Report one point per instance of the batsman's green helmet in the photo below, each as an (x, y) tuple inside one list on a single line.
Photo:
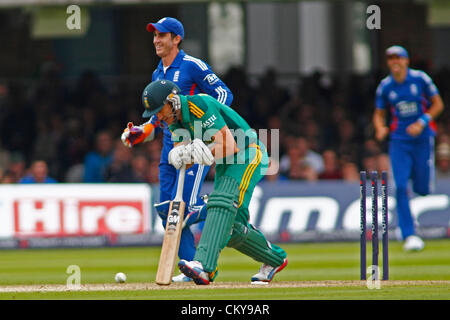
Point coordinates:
[(155, 94)]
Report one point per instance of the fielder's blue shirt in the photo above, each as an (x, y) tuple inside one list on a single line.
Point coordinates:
[(192, 76), (30, 179), (407, 102)]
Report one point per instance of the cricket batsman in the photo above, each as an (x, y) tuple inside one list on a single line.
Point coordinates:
[(192, 76), (202, 130), (413, 102)]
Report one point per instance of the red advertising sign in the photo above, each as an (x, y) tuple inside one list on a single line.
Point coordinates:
[(74, 210)]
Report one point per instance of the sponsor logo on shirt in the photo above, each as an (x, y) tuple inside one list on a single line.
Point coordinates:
[(407, 109), (176, 76), (211, 78), (208, 123)]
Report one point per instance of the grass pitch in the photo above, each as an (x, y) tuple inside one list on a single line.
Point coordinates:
[(315, 271)]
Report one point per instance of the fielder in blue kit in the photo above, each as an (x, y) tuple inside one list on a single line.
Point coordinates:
[(192, 76), (414, 102)]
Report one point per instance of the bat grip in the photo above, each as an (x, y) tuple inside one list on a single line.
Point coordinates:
[(180, 186)]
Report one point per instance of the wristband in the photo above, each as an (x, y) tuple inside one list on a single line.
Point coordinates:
[(425, 119)]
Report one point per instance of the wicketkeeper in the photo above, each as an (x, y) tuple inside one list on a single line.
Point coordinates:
[(202, 130)]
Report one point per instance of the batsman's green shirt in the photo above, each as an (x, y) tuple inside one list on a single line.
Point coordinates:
[(203, 116)]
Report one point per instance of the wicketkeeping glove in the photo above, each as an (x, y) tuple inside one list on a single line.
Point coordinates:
[(133, 135)]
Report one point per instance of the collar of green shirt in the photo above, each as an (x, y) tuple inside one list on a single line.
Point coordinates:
[(184, 110)]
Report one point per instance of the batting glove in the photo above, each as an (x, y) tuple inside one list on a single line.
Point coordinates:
[(180, 155), (201, 153)]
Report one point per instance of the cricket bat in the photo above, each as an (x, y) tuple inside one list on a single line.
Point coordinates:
[(171, 241)]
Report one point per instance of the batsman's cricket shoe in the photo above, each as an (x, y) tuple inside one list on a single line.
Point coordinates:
[(194, 270), (267, 272), (181, 278)]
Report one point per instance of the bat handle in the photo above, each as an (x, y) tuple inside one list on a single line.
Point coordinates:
[(180, 186)]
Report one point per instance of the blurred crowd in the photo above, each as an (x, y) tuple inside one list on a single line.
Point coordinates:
[(55, 131)]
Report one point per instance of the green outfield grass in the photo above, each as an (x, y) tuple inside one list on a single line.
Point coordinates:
[(307, 262)]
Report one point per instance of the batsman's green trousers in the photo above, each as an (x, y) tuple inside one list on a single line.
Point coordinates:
[(227, 219)]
